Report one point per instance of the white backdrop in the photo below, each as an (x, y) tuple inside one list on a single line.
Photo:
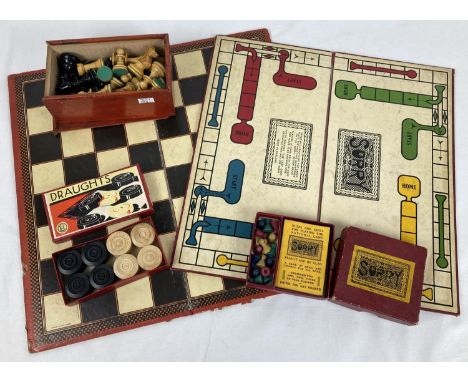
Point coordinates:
[(281, 327)]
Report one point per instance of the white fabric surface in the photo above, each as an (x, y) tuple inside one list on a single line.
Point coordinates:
[(281, 327)]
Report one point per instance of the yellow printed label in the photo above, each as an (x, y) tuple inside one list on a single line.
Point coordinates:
[(381, 273), (302, 261)]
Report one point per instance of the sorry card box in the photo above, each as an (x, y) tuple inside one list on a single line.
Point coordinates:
[(379, 274), (290, 255), (93, 203)]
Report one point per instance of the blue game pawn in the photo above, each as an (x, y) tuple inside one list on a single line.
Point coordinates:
[(270, 262), (254, 272), (261, 223), (255, 259)]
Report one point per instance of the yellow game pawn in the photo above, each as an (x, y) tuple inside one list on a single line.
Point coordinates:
[(83, 68)]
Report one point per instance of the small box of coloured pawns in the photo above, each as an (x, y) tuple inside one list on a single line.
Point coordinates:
[(290, 255), (92, 268), (379, 274), (81, 207)]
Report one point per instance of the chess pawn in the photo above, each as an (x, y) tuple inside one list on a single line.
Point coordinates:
[(88, 81), (67, 63), (84, 68), (140, 64), (126, 78), (129, 86), (156, 83), (137, 83), (119, 61), (115, 83), (157, 70), (106, 89)]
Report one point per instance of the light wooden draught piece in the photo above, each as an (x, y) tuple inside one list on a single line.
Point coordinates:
[(142, 234), (126, 266), (149, 257), (119, 243)]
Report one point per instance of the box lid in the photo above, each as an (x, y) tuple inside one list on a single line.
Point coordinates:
[(379, 274)]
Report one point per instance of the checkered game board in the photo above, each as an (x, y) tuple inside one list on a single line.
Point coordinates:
[(164, 151)]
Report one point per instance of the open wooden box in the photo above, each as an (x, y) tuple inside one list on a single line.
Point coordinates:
[(104, 109)]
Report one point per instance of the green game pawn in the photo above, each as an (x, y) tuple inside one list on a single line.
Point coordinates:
[(272, 252), (268, 228), (104, 74), (258, 280)]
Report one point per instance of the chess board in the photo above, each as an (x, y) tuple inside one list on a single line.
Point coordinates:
[(164, 150)]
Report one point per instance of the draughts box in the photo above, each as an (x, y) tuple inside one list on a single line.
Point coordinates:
[(379, 274), (117, 283), (104, 109), (94, 203), (295, 254)]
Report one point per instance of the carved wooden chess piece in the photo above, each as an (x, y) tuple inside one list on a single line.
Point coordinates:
[(135, 81), (67, 65), (157, 70), (140, 64), (114, 84), (155, 83), (74, 85), (84, 68), (126, 78), (119, 61), (129, 86)]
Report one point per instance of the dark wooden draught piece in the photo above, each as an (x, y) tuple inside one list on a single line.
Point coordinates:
[(94, 254)]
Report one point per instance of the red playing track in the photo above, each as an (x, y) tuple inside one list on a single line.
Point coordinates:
[(291, 80), (242, 132), (407, 73)]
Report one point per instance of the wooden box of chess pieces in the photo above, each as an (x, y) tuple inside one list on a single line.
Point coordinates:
[(92, 268), (95, 203), (379, 274), (290, 255), (120, 100)]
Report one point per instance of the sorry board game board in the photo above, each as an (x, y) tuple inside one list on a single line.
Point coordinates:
[(44, 161), (344, 139)]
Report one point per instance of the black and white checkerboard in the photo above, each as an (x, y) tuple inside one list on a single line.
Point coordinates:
[(164, 151)]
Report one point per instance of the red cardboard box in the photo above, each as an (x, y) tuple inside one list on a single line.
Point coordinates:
[(379, 274), (95, 203)]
